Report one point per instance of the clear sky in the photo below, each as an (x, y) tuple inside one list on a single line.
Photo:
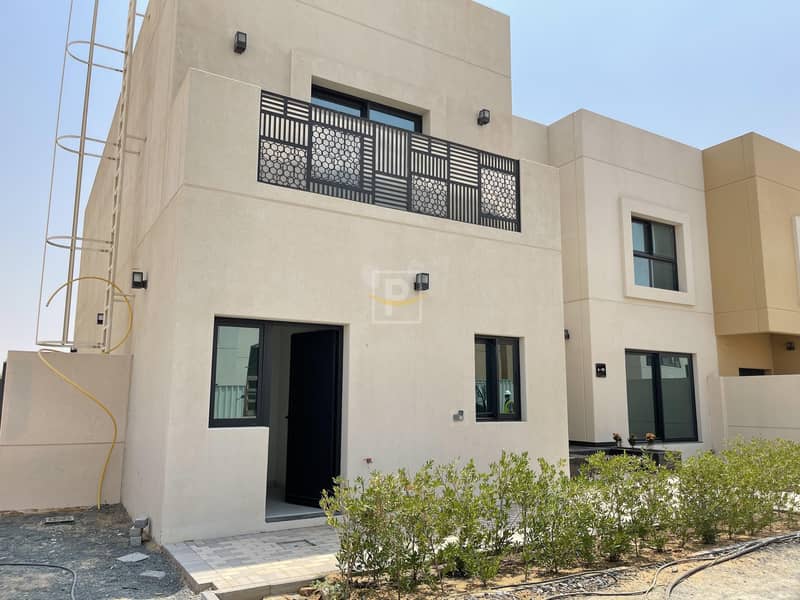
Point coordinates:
[(698, 71)]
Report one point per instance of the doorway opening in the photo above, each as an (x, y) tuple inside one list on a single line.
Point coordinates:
[(303, 369)]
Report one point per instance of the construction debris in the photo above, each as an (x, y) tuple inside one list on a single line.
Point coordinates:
[(154, 574), (132, 557), (60, 520)]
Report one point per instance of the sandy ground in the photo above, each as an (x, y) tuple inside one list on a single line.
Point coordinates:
[(770, 573), (90, 547)]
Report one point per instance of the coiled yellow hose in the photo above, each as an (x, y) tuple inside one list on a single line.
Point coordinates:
[(77, 385)]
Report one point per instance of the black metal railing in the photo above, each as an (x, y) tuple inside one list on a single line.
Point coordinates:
[(311, 148)]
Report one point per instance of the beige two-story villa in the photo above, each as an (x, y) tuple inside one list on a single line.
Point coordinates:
[(352, 253), (344, 253)]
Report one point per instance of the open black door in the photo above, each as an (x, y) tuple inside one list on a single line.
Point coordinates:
[(312, 446)]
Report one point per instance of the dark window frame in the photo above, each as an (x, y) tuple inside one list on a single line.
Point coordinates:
[(492, 380), (262, 414), (364, 106), (650, 255), (753, 372), (655, 359), (2, 388)]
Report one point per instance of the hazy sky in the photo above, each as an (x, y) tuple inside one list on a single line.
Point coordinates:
[(698, 71)]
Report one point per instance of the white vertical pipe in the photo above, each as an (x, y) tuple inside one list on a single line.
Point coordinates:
[(79, 179), (53, 167)]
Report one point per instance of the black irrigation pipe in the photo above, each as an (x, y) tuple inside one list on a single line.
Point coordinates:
[(524, 585), (714, 557), (747, 549), (48, 566), (644, 592)]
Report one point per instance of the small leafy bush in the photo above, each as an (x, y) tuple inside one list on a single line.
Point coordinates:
[(656, 510), (557, 523), (703, 497), (615, 485)]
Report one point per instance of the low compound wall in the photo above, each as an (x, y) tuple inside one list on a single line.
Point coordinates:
[(767, 407), (53, 440)]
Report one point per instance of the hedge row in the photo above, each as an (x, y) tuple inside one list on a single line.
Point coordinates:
[(444, 520)]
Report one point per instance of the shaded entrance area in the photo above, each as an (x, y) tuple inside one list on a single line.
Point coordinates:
[(303, 368)]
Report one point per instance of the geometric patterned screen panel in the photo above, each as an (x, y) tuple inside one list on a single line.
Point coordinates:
[(310, 148)]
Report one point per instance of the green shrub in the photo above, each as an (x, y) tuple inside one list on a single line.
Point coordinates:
[(525, 496), (419, 527), (752, 486), (785, 472), (702, 497), (557, 522), (656, 511), (615, 483), (465, 503), (499, 492)]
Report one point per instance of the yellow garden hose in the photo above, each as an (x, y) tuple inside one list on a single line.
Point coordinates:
[(78, 386)]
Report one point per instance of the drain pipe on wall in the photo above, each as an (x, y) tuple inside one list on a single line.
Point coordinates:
[(78, 386)]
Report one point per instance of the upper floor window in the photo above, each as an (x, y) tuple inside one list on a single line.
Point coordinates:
[(655, 262), (366, 109), (497, 388)]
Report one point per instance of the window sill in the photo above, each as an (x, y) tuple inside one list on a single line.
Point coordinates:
[(641, 292), (235, 425)]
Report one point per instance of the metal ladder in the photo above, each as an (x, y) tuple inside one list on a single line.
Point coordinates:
[(114, 150), (119, 179)]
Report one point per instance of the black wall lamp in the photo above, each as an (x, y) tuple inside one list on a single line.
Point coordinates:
[(422, 282), (240, 42), (484, 116), (139, 280), (100, 318), (790, 346)]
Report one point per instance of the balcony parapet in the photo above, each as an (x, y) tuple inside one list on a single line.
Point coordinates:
[(307, 147)]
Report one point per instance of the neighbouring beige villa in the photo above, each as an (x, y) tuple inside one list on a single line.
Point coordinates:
[(753, 205), (641, 354), (350, 255), (753, 202)]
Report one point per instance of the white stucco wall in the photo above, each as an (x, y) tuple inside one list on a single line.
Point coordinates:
[(310, 258), (53, 439), (214, 241), (607, 167), (445, 59), (762, 407)]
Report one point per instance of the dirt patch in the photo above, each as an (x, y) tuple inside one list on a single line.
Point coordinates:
[(90, 546)]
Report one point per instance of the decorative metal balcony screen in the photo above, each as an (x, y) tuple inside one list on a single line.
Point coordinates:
[(310, 148)]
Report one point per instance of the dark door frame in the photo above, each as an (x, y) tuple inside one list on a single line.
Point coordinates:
[(336, 408), (263, 400)]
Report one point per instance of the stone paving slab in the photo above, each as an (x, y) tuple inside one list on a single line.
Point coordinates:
[(259, 561)]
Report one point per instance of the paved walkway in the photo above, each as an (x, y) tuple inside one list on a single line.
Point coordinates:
[(270, 562)]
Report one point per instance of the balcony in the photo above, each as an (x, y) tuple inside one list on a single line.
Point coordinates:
[(306, 147)]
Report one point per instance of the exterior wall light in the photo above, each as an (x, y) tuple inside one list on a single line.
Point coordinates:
[(422, 282), (484, 116), (240, 42), (139, 280), (100, 318), (790, 346)]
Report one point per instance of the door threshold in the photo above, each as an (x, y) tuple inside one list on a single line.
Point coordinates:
[(296, 517)]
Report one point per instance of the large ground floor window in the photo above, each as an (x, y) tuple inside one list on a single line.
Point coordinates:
[(661, 398)]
